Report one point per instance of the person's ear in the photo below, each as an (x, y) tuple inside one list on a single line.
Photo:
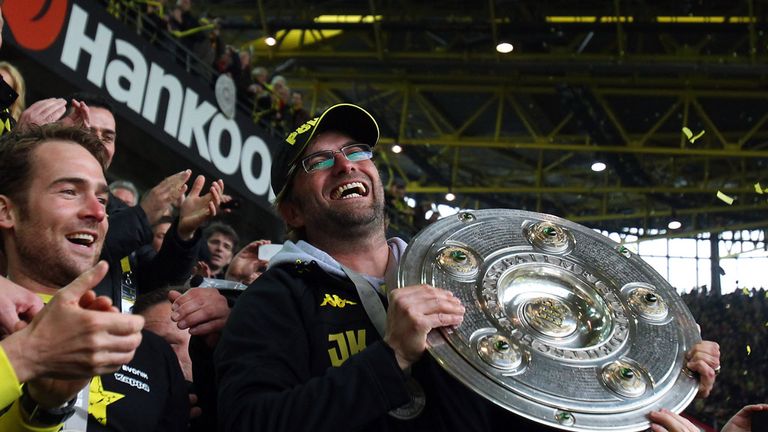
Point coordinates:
[(291, 214), (8, 212)]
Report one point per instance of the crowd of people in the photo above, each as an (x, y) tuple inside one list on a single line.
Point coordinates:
[(107, 323), (739, 322), (173, 25)]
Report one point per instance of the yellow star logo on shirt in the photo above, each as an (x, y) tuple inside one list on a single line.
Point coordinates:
[(98, 399)]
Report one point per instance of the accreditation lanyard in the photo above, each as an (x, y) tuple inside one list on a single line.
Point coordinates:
[(369, 295), (374, 307)]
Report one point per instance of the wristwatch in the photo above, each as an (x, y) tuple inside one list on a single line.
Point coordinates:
[(36, 415)]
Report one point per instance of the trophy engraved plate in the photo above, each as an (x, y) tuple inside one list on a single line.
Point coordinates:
[(562, 325)]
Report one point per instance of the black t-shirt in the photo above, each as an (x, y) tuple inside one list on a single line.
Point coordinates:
[(148, 394)]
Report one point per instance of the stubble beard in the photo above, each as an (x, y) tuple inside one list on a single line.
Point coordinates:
[(360, 222), (48, 264), (49, 267)]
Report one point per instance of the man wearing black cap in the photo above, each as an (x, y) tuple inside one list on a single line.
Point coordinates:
[(312, 344)]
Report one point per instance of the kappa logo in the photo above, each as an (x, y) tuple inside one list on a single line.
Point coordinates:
[(35, 24), (291, 139), (336, 301)]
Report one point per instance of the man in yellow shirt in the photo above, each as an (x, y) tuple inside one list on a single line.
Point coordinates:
[(52, 220)]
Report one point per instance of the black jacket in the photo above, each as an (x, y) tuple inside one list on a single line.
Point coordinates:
[(172, 265), (289, 360), (129, 227), (148, 394), (128, 230)]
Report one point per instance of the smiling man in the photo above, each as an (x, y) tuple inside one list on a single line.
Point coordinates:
[(53, 223), (319, 342), (54, 194), (301, 349)]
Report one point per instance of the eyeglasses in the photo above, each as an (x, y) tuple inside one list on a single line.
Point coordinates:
[(325, 159)]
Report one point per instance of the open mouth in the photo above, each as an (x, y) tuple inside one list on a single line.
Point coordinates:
[(82, 239), (349, 190)]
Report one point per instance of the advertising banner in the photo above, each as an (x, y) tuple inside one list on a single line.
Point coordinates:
[(84, 45)]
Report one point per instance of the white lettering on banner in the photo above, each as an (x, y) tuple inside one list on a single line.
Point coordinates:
[(132, 80), (193, 118), (258, 185), (226, 164), (136, 77), (76, 41), (159, 80)]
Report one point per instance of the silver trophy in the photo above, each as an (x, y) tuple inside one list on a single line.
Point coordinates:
[(562, 325)]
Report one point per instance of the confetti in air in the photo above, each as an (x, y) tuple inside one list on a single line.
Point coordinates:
[(758, 188), (749, 350), (725, 198), (689, 134)]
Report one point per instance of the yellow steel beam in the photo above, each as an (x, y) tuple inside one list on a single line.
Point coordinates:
[(433, 112), (388, 93), (686, 114), (752, 32), (559, 161), (583, 60), (499, 115), (668, 213), (428, 113), (612, 117), (663, 119), (619, 29), (474, 116), (539, 177), (377, 31), (711, 229), (454, 168), (590, 189), (404, 114), (523, 117), (556, 130), (531, 83), (329, 92), (450, 141), (494, 29), (758, 125), (710, 124)]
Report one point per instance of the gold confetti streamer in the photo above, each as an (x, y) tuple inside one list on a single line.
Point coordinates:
[(758, 188), (725, 198), (749, 350), (689, 134)]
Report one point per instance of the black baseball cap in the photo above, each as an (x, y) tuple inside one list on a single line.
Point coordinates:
[(346, 118)]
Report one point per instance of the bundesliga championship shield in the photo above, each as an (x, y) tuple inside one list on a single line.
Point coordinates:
[(562, 325)]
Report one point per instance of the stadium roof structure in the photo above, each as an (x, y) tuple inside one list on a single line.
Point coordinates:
[(669, 95)]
